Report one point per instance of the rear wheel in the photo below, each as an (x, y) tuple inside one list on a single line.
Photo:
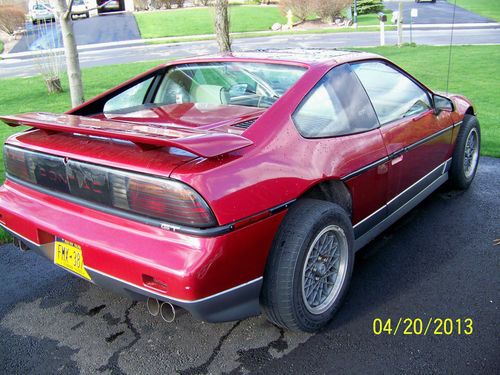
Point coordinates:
[(309, 267), (466, 154)]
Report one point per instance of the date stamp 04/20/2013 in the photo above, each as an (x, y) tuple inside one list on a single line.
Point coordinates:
[(423, 327)]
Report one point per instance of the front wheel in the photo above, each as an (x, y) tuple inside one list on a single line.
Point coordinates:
[(466, 154), (309, 267)]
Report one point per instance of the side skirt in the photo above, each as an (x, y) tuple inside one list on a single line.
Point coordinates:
[(397, 208)]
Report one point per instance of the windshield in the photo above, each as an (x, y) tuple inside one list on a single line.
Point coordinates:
[(235, 83), (40, 7)]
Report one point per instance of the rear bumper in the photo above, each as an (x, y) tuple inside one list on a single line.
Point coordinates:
[(215, 279)]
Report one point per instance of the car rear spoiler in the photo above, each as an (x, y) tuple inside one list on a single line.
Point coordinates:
[(203, 143)]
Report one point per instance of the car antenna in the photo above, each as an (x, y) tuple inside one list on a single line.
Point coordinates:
[(451, 46)]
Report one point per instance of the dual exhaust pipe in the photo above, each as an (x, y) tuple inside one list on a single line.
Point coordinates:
[(165, 309), (20, 245)]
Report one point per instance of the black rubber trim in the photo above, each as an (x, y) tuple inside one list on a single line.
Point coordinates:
[(200, 232), (400, 200), (233, 304), (365, 168), (370, 221), (399, 152), (428, 138)]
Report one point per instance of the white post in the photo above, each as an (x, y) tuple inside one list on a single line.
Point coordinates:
[(400, 28), (289, 17), (382, 33)]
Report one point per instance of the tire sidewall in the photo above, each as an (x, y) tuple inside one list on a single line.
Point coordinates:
[(307, 320), (458, 178)]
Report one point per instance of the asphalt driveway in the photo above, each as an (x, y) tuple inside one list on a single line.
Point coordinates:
[(101, 29), (440, 12), (438, 261)]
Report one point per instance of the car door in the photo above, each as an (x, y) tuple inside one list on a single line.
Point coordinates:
[(417, 140), (337, 116)]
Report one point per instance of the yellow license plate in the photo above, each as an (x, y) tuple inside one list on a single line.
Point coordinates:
[(69, 256)]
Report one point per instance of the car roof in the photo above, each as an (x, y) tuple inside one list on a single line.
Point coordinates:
[(307, 56)]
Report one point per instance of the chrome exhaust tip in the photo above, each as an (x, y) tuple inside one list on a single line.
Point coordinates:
[(167, 312), (153, 306), (23, 246), (20, 245)]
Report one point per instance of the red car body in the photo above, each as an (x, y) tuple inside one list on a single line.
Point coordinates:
[(248, 177)]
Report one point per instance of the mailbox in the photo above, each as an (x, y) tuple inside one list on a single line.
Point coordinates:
[(382, 17)]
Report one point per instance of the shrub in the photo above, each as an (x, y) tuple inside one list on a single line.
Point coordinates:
[(11, 18), (300, 8), (140, 4), (328, 10), (159, 3), (370, 6), (179, 3)]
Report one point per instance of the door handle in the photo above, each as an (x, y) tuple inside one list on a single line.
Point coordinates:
[(397, 159)]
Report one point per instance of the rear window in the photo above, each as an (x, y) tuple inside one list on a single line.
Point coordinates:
[(337, 105), (232, 83)]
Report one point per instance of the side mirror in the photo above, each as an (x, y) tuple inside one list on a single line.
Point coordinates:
[(442, 103)]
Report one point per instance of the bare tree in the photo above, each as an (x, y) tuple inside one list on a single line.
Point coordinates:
[(222, 25), (11, 18), (300, 8), (328, 10), (63, 12)]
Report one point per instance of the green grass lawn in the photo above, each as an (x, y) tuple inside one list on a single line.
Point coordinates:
[(199, 21), (472, 70), (486, 8)]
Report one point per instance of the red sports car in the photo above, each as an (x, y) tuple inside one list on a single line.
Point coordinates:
[(235, 184)]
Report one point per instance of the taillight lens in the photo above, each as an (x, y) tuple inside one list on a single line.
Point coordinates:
[(158, 198), (168, 199), (16, 164)]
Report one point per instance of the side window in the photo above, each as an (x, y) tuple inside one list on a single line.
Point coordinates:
[(337, 105), (394, 96), (131, 97)]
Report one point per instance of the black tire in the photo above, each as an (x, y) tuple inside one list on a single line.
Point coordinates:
[(460, 177), (282, 297)]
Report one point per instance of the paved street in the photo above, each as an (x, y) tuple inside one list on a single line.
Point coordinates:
[(102, 29), (438, 261), (121, 55), (435, 13)]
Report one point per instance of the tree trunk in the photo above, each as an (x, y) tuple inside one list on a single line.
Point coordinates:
[(222, 25), (71, 52), (53, 85)]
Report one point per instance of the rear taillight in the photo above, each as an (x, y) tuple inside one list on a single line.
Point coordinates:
[(154, 197), (16, 164), (163, 199)]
